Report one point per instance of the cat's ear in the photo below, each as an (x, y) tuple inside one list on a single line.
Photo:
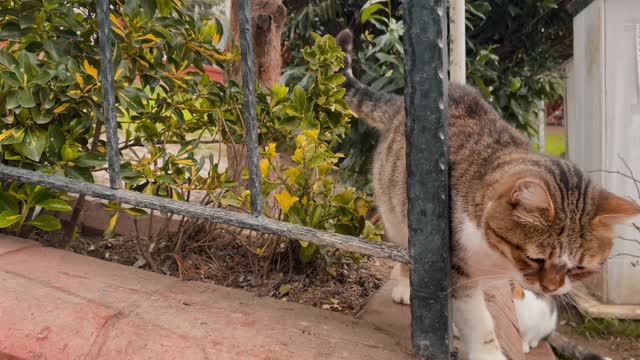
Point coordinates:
[(517, 291), (613, 209), (531, 193)]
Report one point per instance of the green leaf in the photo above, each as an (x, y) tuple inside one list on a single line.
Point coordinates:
[(165, 7), (12, 136), (40, 117), (35, 140), (8, 202), (11, 101), (369, 11), (284, 290), (136, 212), (149, 7), (299, 99), (344, 198), (91, 159), (7, 59), (515, 84), (11, 30), (38, 194), (11, 78), (345, 229), (43, 77), (55, 142), (335, 79), (306, 253), (111, 227), (132, 98), (26, 20), (316, 215), (55, 205), (76, 172), (70, 151), (46, 222), (8, 218), (25, 99)]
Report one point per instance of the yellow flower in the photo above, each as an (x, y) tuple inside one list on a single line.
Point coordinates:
[(298, 156), (270, 150), (286, 200), (292, 174), (264, 167), (312, 134), (301, 140)]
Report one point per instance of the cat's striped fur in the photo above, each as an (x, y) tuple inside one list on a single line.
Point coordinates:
[(515, 214)]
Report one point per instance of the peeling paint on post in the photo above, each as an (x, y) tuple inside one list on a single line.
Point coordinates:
[(428, 179), (109, 94), (249, 111)]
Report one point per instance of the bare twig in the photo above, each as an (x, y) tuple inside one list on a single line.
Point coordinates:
[(625, 254), (635, 181), (628, 239), (615, 172), (79, 205), (150, 234), (144, 250)]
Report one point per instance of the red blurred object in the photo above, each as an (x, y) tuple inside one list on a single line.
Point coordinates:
[(213, 72), (553, 113)]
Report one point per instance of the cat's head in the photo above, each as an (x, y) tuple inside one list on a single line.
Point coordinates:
[(553, 224)]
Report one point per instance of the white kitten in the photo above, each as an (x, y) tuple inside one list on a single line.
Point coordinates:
[(537, 316)]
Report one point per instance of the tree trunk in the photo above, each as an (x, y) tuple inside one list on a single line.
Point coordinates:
[(267, 21)]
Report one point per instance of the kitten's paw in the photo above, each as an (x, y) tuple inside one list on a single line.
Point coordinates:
[(401, 293), (525, 347)]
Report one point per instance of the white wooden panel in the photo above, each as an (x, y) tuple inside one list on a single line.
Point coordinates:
[(622, 136), (585, 98), (586, 109)]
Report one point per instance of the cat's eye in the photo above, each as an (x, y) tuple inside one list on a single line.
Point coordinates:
[(579, 268), (539, 262)]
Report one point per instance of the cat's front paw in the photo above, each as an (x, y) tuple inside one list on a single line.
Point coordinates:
[(401, 292)]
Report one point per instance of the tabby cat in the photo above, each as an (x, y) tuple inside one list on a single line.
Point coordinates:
[(516, 214)]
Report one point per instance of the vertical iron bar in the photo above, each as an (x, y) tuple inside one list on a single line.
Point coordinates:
[(108, 91), (427, 175), (249, 113)]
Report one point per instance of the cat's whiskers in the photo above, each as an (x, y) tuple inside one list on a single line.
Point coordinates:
[(563, 301), (477, 279), (583, 313)]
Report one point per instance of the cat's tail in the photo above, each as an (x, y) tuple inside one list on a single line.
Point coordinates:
[(378, 109)]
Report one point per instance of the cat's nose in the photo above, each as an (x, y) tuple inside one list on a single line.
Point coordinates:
[(553, 278)]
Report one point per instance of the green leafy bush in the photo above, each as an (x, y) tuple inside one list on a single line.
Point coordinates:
[(51, 110), (308, 195), (22, 205), (316, 117), (51, 99)]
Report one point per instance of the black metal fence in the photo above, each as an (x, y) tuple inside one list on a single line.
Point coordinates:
[(426, 134)]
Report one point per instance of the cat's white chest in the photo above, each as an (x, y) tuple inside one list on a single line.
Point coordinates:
[(482, 261)]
